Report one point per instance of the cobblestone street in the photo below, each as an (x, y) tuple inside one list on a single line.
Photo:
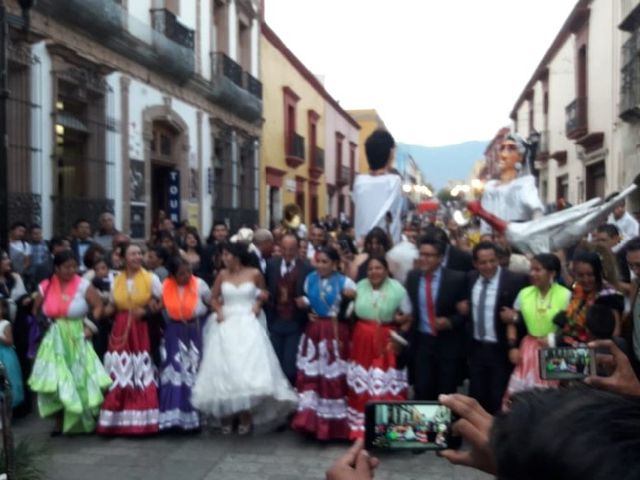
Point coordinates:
[(210, 456)]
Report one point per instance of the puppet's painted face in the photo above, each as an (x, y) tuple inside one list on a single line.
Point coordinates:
[(510, 157)]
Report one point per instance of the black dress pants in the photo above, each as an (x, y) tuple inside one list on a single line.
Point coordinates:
[(489, 372), (434, 374)]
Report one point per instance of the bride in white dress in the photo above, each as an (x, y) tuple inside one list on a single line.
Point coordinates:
[(240, 374)]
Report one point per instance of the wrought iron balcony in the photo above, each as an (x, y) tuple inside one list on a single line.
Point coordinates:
[(576, 125), (164, 21), (294, 150), (543, 146), (166, 48), (318, 159), (223, 65), (253, 85), (630, 80), (344, 175), (228, 89), (630, 14)]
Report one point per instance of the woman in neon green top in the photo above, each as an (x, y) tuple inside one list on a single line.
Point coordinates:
[(536, 306)]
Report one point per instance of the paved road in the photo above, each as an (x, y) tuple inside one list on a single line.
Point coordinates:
[(211, 456)]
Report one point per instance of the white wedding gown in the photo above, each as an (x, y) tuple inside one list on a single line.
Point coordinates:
[(239, 369)]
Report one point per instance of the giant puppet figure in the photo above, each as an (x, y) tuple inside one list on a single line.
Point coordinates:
[(513, 196), (377, 196), (511, 205)]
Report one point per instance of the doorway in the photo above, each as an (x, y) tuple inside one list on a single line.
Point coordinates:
[(159, 190)]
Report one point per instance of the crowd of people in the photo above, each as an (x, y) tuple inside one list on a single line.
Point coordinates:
[(299, 326)]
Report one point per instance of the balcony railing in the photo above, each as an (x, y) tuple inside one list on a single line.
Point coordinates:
[(253, 85), (543, 144), (168, 47), (164, 21), (224, 66), (318, 159), (344, 175), (296, 146), (576, 118), (630, 80)]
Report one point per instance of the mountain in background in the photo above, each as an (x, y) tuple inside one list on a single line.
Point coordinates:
[(441, 164)]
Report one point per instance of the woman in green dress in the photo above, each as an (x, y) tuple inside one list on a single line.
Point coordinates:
[(382, 307), (67, 374)]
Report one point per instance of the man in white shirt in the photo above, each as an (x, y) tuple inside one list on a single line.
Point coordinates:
[(377, 196), (263, 241), (627, 225), (19, 248)]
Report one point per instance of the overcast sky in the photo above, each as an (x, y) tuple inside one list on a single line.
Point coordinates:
[(438, 71)]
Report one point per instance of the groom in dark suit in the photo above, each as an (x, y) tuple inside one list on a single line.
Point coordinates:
[(491, 289), (438, 332), (285, 309)]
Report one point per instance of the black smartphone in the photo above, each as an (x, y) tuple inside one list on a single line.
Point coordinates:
[(346, 248), (567, 363), (410, 425)]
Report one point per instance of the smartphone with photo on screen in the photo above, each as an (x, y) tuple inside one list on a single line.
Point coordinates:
[(567, 363), (410, 425)]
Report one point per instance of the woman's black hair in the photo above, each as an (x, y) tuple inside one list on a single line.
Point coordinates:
[(568, 434), (193, 231), (63, 257), (330, 252), (94, 252), (377, 233), (9, 278), (593, 259), (124, 246), (549, 261), (379, 259), (174, 264), (238, 250)]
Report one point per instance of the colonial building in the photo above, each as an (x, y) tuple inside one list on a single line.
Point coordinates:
[(309, 142), (135, 107), (582, 99)]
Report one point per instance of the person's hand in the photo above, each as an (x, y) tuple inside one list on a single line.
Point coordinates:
[(514, 356), (256, 308), (463, 307), (622, 378), (219, 316), (474, 427), (301, 302), (507, 315), (356, 464), (349, 293), (87, 333), (313, 317), (442, 323), (27, 301), (263, 296)]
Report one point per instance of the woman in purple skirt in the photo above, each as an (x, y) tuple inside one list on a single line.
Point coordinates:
[(186, 299)]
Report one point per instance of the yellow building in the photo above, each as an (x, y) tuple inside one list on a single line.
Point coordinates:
[(369, 120), (293, 139)]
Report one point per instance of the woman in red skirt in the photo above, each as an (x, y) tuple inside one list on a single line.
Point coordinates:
[(382, 307), (323, 353), (131, 405)]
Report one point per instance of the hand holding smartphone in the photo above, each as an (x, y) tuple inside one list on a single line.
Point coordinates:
[(567, 363), (410, 425)]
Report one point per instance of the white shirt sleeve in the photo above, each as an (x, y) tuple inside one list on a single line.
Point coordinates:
[(349, 284), (516, 303), (156, 286), (4, 325), (18, 289), (204, 292), (405, 304)]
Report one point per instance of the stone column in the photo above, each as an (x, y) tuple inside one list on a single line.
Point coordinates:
[(125, 213)]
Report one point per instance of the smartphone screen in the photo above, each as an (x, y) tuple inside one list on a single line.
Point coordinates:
[(409, 426), (567, 363)]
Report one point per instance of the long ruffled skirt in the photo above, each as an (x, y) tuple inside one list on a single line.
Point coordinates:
[(68, 376), (181, 351), (373, 372), (322, 380), (131, 405)]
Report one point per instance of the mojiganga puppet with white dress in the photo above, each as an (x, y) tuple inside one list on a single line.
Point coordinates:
[(513, 196)]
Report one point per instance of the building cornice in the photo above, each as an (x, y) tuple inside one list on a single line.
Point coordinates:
[(574, 21), (277, 42)]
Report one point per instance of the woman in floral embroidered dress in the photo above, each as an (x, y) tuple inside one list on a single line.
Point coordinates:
[(324, 352), (131, 406)]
